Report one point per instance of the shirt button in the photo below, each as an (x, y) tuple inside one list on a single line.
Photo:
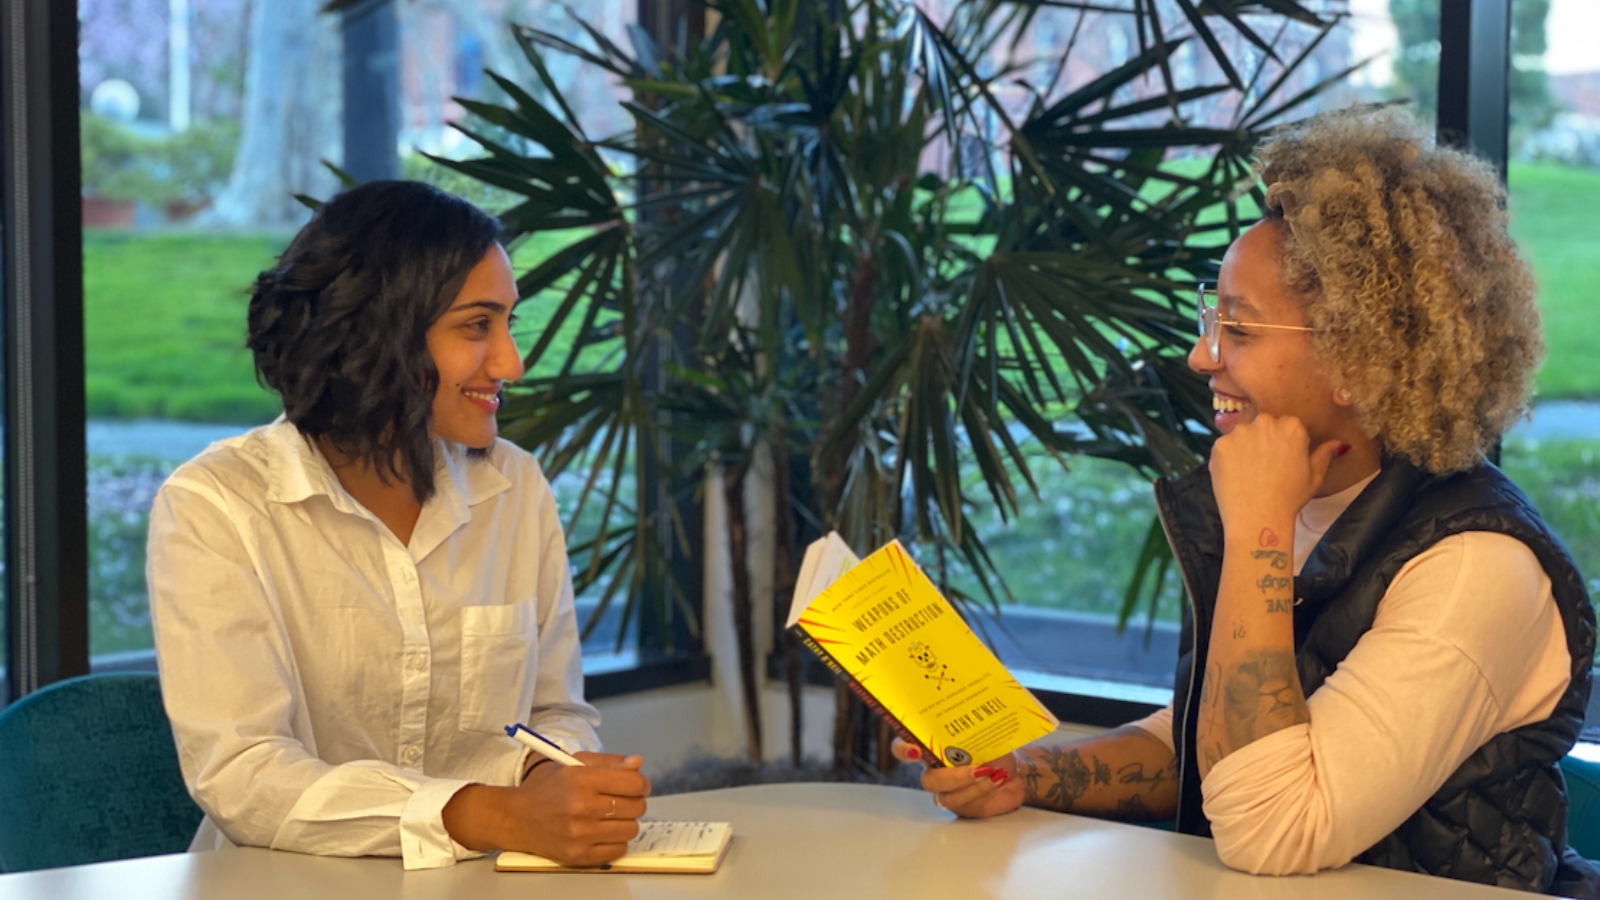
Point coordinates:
[(418, 662), (410, 755)]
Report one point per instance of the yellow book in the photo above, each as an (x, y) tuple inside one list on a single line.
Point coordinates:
[(882, 625), (688, 848)]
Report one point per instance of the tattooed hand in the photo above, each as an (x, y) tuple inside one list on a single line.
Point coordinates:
[(1266, 467)]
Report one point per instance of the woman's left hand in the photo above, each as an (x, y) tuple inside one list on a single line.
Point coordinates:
[(1267, 469)]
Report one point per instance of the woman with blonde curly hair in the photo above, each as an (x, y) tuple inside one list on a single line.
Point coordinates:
[(1386, 651)]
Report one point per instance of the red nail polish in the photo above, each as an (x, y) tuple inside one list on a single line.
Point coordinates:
[(1343, 449), (982, 771), (1000, 776), (913, 752)]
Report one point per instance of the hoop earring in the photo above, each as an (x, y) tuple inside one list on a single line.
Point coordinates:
[(1344, 394)]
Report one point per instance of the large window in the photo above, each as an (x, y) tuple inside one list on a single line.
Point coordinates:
[(1554, 181), (175, 231), (189, 177)]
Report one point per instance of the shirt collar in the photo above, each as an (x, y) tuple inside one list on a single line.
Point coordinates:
[(460, 483), (298, 471), (1319, 513)]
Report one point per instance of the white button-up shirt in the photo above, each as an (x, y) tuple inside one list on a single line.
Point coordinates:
[(331, 688)]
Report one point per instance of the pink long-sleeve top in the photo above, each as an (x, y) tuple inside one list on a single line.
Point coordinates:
[(1467, 644)]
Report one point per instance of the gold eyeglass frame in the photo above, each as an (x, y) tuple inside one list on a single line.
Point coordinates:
[(1210, 322)]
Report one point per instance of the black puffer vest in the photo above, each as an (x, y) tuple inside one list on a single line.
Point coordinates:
[(1501, 818)]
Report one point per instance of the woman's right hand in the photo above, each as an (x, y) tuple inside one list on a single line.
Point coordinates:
[(574, 815), (971, 792)]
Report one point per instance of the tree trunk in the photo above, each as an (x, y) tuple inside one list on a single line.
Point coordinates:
[(853, 725), (743, 624), (501, 55), (290, 122), (783, 584), (371, 121)]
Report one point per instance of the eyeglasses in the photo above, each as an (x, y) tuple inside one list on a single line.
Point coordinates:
[(1211, 322)]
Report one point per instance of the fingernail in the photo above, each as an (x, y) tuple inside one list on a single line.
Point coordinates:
[(982, 771), (913, 752), (1343, 449), (1000, 776)]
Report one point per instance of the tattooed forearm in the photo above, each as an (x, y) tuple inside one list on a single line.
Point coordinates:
[(1209, 689), (1251, 687), (1031, 776), (1072, 777), (1276, 558), (1262, 695), (1134, 810), (1270, 582), (1097, 775), (1134, 773)]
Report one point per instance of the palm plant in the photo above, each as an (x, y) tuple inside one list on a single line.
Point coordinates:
[(793, 278)]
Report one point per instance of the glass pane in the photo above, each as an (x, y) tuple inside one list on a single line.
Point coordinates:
[(1069, 559), (1554, 184), (189, 179)]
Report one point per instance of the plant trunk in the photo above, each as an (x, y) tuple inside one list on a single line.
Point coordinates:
[(853, 725), (858, 331), (858, 346), (845, 708), (784, 587), (743, 625)]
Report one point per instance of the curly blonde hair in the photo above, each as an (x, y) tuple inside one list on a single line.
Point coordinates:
[(1422, 306)]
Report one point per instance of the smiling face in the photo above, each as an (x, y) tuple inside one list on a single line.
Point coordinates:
[(472, 349), (1261, 369)]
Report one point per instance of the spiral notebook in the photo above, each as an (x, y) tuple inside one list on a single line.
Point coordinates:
[(690, 848)]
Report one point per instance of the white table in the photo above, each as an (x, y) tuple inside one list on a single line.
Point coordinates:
[(790, 841)]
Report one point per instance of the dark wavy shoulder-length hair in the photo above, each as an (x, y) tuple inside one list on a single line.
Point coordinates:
[(339, 327)]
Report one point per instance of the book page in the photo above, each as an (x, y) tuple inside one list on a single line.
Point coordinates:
[(834, 558), (802, 583), (658, 839), (660, 847)]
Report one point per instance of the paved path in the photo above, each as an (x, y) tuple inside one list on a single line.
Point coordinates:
[(155, 437), (1562, 419), (181, 440)]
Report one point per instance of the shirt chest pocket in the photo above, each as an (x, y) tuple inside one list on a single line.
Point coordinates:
[(499, 658)]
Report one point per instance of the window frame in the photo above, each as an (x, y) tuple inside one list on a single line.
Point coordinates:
[(46, 541)]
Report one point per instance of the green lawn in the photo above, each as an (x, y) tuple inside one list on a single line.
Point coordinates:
[(1555, 216), (164, 312), (164, 323), (1562, 478)]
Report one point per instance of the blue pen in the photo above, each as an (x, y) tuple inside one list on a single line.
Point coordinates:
[(540, 744)]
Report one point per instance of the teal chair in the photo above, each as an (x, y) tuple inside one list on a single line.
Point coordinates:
[(89, 772), (1583, 805)]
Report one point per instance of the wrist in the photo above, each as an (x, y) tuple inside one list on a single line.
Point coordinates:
[(472, 817), (533, 763), (1273, 529)]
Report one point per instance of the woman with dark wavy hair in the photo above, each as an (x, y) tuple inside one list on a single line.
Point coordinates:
[(350, 604), (1386, 653)]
